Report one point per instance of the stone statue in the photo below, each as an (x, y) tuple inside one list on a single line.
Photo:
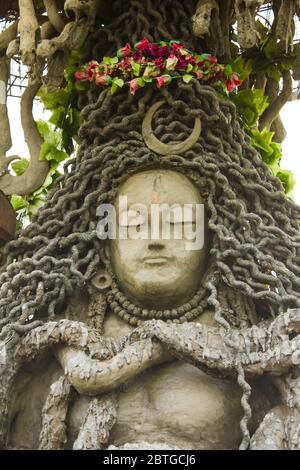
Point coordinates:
[(140, 343)]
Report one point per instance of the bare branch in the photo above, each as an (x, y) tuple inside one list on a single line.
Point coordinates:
[(53, 15), (72, 37), (37, 170), (274, 108), (8, 35), (245, 11), (202, 17), (28, 27), (5, 137), (285, 28)]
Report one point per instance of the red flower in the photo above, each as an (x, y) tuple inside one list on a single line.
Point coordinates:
[(199, 74), (233, 82), (159, 63), (102, 80), (125, 63), (176, 47), (90, 70), (142, 45), (212, 59), (133, 86), (163, 80), (124, 51), (182, 63), (80, 75), (163, 51), (154, 49), (171, 62)]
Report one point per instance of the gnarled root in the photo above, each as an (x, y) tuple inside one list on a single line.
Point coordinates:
[(53, 434), (99, 420)]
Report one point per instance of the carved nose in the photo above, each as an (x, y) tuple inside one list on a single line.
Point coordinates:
[(156, 246)]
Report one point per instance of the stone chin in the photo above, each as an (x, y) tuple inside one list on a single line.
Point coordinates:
[(156, 289)]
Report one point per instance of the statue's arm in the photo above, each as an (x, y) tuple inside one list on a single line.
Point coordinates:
[(92, 376)]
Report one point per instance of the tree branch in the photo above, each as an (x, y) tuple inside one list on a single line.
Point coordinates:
[(28, 27), (8, 35), (274, 108), (37, 170), (53, 15)]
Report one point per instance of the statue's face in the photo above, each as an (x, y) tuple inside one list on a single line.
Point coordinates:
[(157, 272)]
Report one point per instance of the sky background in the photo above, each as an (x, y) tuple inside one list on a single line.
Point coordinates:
[(290, 115)]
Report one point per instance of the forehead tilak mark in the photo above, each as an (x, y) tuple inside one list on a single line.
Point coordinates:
[(156, 184)]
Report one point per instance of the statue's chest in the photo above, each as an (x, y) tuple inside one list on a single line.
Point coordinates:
[(180, 405), (176, 403)]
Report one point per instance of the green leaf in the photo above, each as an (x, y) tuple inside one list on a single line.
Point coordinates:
[(242, 67), (114, 88), (287, 179), (110, 60), (141, 82), (187, 78), (270, 151), (251, 104), (52, 137), (262, 29), (55, 154), (136, 68), (18, 202), (52, 100), (189, 68), (58, 117), (20, 166), (228, 71), (273, 72), (118, 81)]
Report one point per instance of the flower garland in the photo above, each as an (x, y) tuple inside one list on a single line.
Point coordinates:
[(161, 63)]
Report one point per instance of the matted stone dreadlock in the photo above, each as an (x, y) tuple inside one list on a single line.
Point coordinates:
[(255, 244), (255, 249)]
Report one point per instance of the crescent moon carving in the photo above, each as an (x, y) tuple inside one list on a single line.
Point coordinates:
[(153, 143)]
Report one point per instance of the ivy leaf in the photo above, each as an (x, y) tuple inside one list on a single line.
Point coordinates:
[(114, 88), (141, 82), (110, 60), (187, 78), (52, 100), (55, 154), (18, 202), (262, 141), (136, 68), (287, 179), (242, 67), (119, 82), (58, 117), (251, 104), (20, 166), (51, 136)]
